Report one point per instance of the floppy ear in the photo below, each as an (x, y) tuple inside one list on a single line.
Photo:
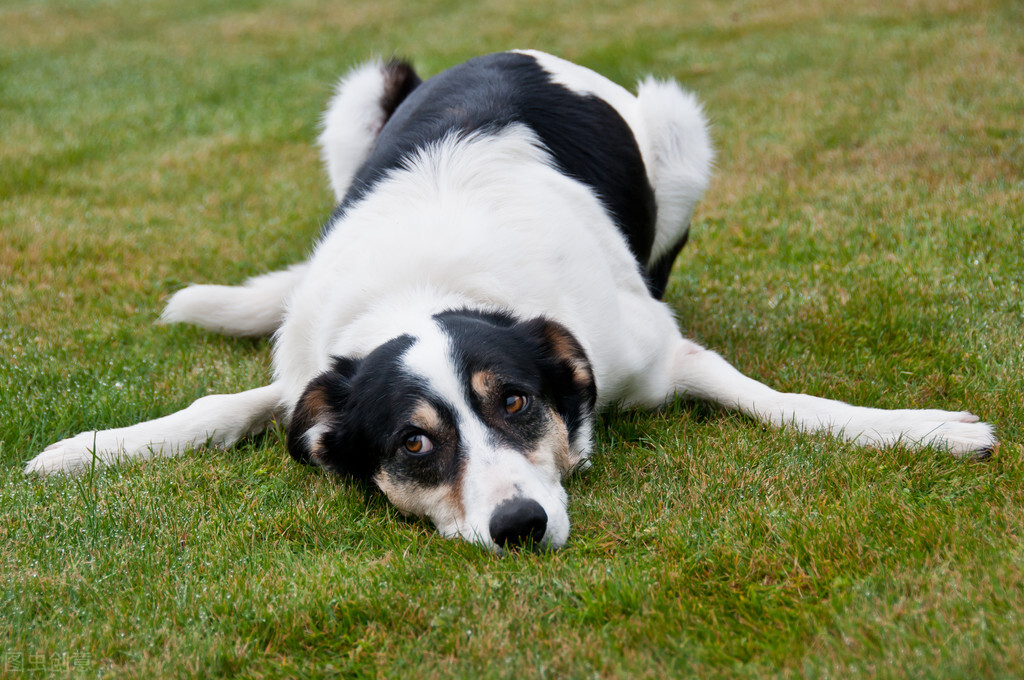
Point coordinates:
[(568, 382), (316, 431)]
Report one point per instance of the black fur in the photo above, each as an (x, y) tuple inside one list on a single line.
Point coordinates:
[(659, 272), (364, 403), (535, 357), (400, 80), (319, 403)]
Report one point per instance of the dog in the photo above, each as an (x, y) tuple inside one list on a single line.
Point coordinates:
[(490, 279)]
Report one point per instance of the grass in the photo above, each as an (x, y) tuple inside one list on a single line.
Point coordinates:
[(861, 240)]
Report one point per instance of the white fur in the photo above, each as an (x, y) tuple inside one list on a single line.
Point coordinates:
[(487, 222), (435, 209)]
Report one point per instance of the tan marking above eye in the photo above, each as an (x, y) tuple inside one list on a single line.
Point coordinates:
[(425, 417), (483, 383)]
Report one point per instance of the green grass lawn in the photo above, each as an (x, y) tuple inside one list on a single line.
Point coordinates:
[(862, 240)]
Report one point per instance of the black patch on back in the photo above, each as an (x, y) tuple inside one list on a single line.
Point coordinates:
[(586, 137)]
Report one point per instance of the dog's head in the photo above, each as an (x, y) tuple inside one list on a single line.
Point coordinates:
[(471, 423)]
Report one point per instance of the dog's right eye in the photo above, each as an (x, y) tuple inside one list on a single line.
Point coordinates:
[(514, 403), (418, 445)]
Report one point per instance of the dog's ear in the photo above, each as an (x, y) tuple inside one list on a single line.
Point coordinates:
[(569, 383), (317, 429)]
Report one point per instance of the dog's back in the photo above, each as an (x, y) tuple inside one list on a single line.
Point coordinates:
[(625, 149)]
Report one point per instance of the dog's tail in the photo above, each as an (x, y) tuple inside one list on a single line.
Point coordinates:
[(679, 159), (364, 100), (255, 308)]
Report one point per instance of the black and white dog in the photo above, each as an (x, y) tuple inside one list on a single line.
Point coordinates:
[(490, 279)]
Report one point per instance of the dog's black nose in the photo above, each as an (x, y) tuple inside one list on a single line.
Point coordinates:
[(518, 521)]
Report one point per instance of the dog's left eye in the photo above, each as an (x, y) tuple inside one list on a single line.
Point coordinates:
[(514, 403), (418, 445)]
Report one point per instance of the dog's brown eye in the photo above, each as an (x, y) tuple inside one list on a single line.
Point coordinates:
[(418, 445), (514, 403)]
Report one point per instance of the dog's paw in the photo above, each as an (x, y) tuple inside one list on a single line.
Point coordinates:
[(963, 435), (71, 456), (960, 433)]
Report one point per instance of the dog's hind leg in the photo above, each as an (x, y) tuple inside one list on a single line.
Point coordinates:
[(700, 373), (219, 420), (364, 100), (677, 152), (255, 308)]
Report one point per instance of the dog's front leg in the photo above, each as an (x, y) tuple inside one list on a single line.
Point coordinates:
[(702, 374), (218, 419)]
